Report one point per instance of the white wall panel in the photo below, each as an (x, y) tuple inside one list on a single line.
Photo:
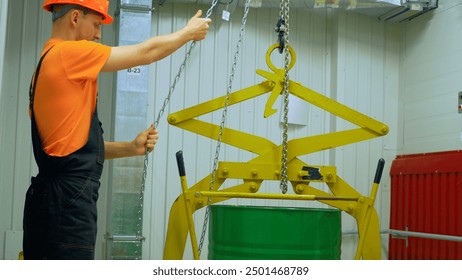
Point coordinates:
[(3, 17), (431, 72), (368, 56), (16, 164)]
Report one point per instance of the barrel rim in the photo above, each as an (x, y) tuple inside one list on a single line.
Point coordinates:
[(291, 208)]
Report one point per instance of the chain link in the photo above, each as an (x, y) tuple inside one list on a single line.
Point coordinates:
[(284, 13), (223, 122), (139, 224)]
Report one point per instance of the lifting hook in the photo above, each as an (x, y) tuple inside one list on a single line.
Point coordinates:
[(281, 29)]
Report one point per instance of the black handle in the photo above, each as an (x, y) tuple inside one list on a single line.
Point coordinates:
[(378, 172), (180, 162)]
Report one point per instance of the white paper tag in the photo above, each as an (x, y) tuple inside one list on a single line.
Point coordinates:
[(225, 15)]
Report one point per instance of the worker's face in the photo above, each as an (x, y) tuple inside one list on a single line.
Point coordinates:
[(89, 26)]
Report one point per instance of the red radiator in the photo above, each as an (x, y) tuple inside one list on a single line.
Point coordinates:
[(426, 197)]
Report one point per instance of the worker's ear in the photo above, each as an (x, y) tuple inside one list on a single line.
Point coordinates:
[(74, 15)]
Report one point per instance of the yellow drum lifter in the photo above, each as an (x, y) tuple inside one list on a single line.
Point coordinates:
[(266, 164)]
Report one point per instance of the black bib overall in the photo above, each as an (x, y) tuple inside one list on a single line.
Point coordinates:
[(60, 213)]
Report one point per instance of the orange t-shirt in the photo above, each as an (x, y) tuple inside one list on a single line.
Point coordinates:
[(65, 97)]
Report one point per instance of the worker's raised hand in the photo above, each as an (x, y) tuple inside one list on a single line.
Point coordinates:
[(198, 27)]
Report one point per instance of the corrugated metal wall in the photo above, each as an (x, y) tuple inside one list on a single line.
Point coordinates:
[(349, 57), (3, 10), (425, 199)]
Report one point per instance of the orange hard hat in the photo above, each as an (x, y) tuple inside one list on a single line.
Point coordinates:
[(99, 6)]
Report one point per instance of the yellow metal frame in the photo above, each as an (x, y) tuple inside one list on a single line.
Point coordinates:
[(267, 164)]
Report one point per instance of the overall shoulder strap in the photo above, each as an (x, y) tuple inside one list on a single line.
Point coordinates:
[(34, 81)]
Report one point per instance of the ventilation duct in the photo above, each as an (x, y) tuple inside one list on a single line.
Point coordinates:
[(385, 10)]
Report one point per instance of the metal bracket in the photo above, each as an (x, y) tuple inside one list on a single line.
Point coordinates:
[(124, 238), (459, 101), (313, 173)]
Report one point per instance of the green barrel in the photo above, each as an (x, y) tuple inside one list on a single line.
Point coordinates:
[(274, 233)]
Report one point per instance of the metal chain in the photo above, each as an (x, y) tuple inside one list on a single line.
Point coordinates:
[(139, 223), (285, 14), (223, 121)]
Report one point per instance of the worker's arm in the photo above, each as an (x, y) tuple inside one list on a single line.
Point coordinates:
[(158, 47), (145, 140)]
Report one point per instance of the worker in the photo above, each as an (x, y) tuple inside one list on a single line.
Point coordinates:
[(60, 213)]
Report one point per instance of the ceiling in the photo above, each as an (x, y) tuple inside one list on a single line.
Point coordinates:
[(387, 10)]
